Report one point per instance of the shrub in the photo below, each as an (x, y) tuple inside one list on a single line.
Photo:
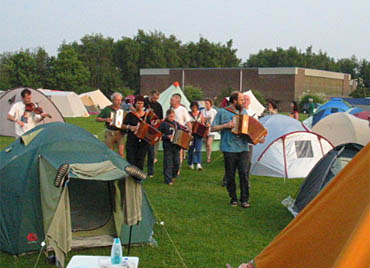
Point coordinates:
[(193, 93), (125, 91), (360, 92)]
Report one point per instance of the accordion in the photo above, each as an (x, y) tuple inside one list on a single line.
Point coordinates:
[(117, 118), (182, 139), (248, 126), (148, 133), (199, 129)]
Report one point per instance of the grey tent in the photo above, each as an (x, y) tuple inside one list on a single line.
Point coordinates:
[(8, 98), (322, 173)]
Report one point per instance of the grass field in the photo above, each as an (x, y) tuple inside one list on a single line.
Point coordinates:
[(198, 220)]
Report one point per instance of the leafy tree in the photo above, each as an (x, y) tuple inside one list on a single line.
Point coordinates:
[(70, 72), (193, 93)]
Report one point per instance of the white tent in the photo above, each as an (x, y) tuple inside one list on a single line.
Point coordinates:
[(255, 106), (68, 102), (164, 98), (8, 98), (290, 149), (96, 98), (342, 128)]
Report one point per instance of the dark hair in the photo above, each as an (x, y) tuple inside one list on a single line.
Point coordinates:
[(176, 94), (154, 92), (194, 103), (295, 106), (25, 92), (234, 96), (273, 104), (210, 101), (139, 98), (169, 111)]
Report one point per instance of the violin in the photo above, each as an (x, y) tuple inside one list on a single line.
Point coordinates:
[(31, 107)]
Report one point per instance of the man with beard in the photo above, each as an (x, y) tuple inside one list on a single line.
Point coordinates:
[(235, 149)]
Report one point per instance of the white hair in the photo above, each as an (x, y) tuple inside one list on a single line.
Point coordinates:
[(115, 94)]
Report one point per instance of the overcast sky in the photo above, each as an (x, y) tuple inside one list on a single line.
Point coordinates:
[(341, 28)]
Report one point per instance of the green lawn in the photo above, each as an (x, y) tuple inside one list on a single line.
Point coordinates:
[(206, 231)]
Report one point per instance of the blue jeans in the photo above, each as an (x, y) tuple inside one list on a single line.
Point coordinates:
[(171, 161), (195, 151)]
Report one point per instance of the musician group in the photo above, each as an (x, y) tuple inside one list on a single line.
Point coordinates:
[(143, 123)]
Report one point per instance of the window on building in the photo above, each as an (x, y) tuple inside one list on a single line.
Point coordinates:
[(304, 149)]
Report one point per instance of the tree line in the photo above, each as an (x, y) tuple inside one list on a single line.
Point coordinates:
[(98, 62)]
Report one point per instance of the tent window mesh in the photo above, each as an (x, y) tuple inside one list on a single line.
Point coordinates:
[(304, 149)]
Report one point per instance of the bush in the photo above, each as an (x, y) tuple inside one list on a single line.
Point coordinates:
[(125, 91), (193, 93), (360, 92)]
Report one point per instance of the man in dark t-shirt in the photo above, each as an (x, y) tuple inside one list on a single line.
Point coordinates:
[(152, 103), (113, 135)]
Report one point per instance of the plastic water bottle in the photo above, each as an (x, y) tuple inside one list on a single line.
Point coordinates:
[(116, 253)]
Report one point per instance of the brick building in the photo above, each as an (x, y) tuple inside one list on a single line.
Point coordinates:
[(281, 84)]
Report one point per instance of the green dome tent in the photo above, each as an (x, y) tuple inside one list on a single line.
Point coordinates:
[(86, 212)]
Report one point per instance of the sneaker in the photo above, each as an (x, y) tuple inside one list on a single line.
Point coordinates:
[(234, 203), (191, 166), (245, 205), (170, 184), (150, 176), (199, 166)]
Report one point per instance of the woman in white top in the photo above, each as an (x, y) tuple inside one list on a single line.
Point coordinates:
[(209, 113)]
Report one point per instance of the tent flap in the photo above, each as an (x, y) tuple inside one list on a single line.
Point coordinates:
[(104, 171)]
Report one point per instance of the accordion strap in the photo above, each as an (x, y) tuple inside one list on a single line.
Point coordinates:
[(231, 110)]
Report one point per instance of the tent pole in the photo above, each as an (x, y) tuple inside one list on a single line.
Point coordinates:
[(129, 242)]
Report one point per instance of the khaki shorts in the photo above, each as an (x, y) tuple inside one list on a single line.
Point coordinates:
[(114, 137)]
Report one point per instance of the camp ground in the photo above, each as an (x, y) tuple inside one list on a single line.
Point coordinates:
[(8, 98), (335, 105), (315, 239), (341, 128), (68, 102), (323, 172), (95, 101), (84, 209), (290, 150)]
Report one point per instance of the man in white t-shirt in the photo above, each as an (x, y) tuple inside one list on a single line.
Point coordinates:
[(181, 114), (182, 117), (24, 120)]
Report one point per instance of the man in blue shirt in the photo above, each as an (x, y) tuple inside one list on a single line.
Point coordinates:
[(235, 149)]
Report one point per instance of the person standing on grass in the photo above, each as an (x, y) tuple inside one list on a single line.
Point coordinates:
[(209, 113), (136, 149), (171, 152), (311, 107), (195, 150), (152, 103), (181, 116), (24, 120), (235, 149), (294, 113), (113, 135)]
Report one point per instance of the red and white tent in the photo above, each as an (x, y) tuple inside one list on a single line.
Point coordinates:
[(290, 151)]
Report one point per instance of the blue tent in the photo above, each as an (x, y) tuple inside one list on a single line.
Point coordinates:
[(335, 105)]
